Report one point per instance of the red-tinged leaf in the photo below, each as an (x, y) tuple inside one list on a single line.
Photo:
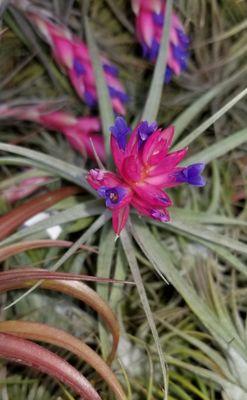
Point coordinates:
[(13, 219), (31, 354), (32, 274), (57, 337), (17, 248), (16, 279)]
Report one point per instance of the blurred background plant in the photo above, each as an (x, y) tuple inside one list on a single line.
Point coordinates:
[(200, 316)]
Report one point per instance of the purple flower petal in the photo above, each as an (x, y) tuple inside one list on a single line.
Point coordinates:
[(113, 196), (90, 99), (168, 74), (154, 50), (120, 95), (111, 69), (78, 67), (145, 130), (102, 191), (192, 175), (183, 37), (158, 18), (120, 131)]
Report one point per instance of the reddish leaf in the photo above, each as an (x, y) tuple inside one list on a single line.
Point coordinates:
[(17, 248), (31, 354), (13, 219), (16, 279), (48, 334)]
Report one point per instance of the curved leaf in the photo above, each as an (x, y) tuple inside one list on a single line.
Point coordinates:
[(31, 354)]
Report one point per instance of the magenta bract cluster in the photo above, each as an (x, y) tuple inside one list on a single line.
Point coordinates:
[(72, 54), (144, 169), (150, 15), (81, 132)]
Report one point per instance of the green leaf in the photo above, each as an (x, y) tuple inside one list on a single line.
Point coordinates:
[(152, 104), (104, 264), (162, 263), (196, 230), (87, 209), (205, 217), (130, 255), (210, 121), (84, 237), (30, 40), (222, 252), (184, 119), (105, 105), (219, 149), (216, 188), (119, 274), (205, 348), (62, 168), (100, 221)]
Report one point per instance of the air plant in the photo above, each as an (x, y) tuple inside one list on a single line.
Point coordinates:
[(196, 324), (144, 168)]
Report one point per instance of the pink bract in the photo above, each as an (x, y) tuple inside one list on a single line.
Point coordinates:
[(72, 54), (150, 15), (81, 132), (24, 188)]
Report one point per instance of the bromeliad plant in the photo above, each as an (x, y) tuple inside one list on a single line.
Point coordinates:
[(144, 169)]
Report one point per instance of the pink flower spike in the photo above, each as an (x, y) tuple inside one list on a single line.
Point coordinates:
[(150, 16), (80, 132), (145, 168), (24, 188), (73, 57)]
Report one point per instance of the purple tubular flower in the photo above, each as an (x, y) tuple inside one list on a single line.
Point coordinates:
[(78, 67), (123, 97), (179, 53), (183, 37), (90, 99), (120, 131), (111, 69), (145, 130), (113, 196), (154, 50), (158, 18), (192, 175), (145, 50), (168, 74)]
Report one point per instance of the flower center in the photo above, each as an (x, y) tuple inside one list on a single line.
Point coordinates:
[(113, 196)]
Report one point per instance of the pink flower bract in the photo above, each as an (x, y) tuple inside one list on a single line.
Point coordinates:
[(73, 56), (81, 132), (144, 169), (150, 15)]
